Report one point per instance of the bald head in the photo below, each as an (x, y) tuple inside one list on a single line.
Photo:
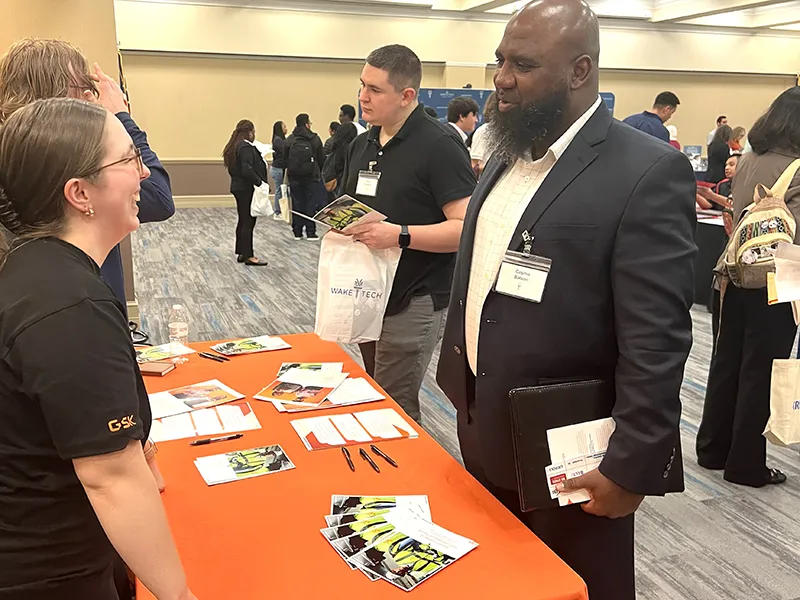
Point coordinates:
[(546, 75)]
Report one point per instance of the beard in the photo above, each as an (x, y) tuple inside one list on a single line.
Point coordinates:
[(515, 133)]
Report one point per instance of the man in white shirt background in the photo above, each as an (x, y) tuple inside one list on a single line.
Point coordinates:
[(481, 149), (462, 114), (721, 120)]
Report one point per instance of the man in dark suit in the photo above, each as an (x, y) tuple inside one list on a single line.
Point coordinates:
[(614, 210)]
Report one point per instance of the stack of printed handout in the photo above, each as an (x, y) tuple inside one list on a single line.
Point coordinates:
[(263, 343), (392, 538), (243, 464), (302, 387)]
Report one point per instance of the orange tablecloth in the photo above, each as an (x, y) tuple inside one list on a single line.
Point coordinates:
[(259, 538)]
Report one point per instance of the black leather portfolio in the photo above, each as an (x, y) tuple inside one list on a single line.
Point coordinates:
[(536, 409)]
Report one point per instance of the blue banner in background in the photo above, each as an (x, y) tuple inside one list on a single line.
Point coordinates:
[(608, 98)]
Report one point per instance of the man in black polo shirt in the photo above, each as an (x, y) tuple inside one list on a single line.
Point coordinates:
[(417, 173)]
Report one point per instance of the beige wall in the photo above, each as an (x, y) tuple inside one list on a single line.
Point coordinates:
[(190, 105), (273, 32)]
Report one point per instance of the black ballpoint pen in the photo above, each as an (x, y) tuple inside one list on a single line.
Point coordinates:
[(350, 464), (367, 458), (210, 357), (219, 356), (383, 455), (224, 438)]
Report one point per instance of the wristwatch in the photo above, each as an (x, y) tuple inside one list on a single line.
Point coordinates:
[(405, 237)]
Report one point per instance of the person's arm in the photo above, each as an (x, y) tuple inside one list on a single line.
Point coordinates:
[(155, 198), (711, 196), (652, 276), (244, 154)]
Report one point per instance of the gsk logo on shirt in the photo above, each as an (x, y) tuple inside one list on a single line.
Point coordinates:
[(124, 423)]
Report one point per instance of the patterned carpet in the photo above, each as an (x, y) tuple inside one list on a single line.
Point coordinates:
[(716, 541)]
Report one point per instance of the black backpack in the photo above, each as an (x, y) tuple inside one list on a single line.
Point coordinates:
[(301, 161)]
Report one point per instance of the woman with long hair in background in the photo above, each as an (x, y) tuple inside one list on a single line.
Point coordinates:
[(279, 131), (718, 153), (248, 171)]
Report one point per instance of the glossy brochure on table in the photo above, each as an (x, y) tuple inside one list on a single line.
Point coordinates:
[(302, 387), (243, 464), (263, 343), (350, 392), (227, 418), (145, 354), (329, 367), (348, 429), (191, 397)]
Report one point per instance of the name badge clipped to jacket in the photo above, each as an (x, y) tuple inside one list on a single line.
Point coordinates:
[(368, 181), (522, 274)]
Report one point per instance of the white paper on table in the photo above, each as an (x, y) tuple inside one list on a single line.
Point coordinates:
[(385, 423), (350, 428), (308, 378), (321, 427), (580, 439), (164, 404), (215, 469), (787, 272), (172, 428), (234, 417), (428, 533), (206, 422), (419, 505), (330, 367), (354, 390)]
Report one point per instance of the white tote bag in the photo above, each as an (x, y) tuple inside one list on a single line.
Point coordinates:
[(353, 288), (261, 206), (286, 203), (783, 427)]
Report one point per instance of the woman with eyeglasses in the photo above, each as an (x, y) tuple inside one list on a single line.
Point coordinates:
[(75, 487)]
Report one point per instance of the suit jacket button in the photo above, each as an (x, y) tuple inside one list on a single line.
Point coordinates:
[(457, 350), (665, 474)]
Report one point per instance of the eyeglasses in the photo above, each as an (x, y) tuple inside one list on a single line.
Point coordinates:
[(137, 156)]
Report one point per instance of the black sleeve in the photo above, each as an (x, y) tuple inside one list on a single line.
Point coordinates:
[(79, 366), (320, 151), (247, 163), (450, 170), (652, 277)]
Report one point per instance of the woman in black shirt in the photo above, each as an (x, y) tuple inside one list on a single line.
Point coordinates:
[(74, 412), (248, 171), (278, 166), (718, 153)]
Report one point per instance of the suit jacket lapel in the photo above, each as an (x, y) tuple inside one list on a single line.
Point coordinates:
[(579, 155)]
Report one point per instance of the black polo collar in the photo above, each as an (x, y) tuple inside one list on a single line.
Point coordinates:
[(414, 119)]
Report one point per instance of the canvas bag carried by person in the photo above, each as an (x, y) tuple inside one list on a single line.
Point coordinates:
[(261, 206), (301, 162), (353, 288), (286, 203), (750, 253), (783, 427)]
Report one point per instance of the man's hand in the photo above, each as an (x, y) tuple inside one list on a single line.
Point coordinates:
[(377, 236), (111, 96), (608, 499)]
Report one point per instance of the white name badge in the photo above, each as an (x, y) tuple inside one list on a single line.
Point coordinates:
[(368, 183), (523, 276)]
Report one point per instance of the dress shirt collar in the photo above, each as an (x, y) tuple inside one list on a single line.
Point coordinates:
[(460, 132)]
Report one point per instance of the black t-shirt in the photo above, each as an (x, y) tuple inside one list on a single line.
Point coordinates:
[(423, 168), (69, 388)]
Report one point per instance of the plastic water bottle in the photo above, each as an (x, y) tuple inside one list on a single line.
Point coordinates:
[(178, 330)]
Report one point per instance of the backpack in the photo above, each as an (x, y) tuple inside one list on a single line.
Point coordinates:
[(301, 161), (750, 253)]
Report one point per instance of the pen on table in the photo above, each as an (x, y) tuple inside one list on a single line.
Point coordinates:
[(350, 464), (210, 356), (367, 458), (383, 455), (219, 356), (224, 438)]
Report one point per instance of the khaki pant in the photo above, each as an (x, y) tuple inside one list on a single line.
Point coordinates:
[(399, 359)]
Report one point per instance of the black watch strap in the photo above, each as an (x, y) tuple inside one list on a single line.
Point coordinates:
[(405, 237)]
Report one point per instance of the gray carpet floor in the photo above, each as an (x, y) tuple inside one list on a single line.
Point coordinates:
[(715, 541)]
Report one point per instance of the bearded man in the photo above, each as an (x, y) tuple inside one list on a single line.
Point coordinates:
[(612, 209)]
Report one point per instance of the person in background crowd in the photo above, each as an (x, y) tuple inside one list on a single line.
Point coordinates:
[(424, 187), (333, 170), (74, 479), (673, 137), (431, 112), (751, 333), (332, 128), (719, 151), (46, 68), (718, 198), (462, 115), (652, 122), (347, 114), (278, 166), (248, 171), (480, 150), (721, 120), (305, 158), (737, 139)]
